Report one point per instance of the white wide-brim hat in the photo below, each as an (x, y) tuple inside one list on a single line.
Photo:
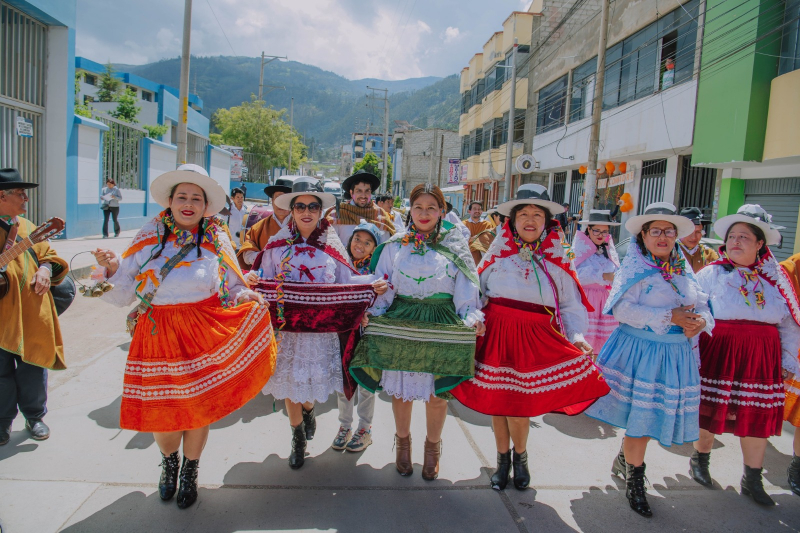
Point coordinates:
[(600, 217), (302, 186), (531, 194), (660, 211), (162, 186), (751, 214)]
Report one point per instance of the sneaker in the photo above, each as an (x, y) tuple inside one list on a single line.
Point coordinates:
[(360, 441), (342, 438)]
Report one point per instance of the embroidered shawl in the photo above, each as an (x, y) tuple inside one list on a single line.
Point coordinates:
[(583, 248), (451, 244), (504, 246), (633, 269), (773, 273)]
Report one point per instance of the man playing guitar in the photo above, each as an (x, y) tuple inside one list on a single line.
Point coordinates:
[(30, 339)]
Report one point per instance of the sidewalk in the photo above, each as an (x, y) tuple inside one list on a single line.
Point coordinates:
[(72, 250)]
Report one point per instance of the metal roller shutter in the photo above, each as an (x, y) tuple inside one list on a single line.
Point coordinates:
[(780, 197)]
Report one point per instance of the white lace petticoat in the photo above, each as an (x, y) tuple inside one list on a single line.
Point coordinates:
[(408, 386), (308, 368)]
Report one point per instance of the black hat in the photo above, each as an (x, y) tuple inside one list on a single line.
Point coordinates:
[(449, 206), (280, 185), (694, 214), (531, 193), (305, 185), (362, 176), (11, 179), (599, 216)]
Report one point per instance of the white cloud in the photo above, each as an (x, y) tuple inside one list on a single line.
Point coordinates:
[(451, 34)]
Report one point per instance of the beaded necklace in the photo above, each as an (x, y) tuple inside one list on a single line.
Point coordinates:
[(527, 249), (416, 239), (362, 265), (675, 266), (750, 275), (184, 237)]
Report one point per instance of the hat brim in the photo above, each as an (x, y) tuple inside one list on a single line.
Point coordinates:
[(284, 201), (373, 180), (162, 186), (722, 225), (598, 223), (272, 189), (554, 208), (684, 225), (7, 186)]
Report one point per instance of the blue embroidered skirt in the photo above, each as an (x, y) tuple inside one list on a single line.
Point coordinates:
[(655, 385)]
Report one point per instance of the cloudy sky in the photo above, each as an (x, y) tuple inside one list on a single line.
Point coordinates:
[(383, 39)]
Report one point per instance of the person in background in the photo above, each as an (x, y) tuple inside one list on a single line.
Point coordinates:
[(30, 337), (110, 197), (563, 218), (476, 227), (259, 235), (698, 254), (792, 408), (479, 244), (668, 75), (386, 202), (451, 216), (358, 205), (238, 211)]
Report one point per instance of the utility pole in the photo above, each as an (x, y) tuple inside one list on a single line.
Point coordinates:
[(441, 157), (291, 133), (183, 111), (261, 77), (590, 185), (385, 170), (511, 108)]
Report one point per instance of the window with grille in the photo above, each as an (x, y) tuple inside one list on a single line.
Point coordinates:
[(552, 105)]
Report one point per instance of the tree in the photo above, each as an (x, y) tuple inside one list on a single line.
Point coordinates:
[(371, 163), (127, 109), (262, 131), (155, 131), (81, 110), (109, 85)]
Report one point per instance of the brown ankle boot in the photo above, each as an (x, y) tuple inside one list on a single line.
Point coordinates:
[(430, 464), (403, 462)]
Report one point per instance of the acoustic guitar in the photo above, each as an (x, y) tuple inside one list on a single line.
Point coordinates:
[(51, 228)]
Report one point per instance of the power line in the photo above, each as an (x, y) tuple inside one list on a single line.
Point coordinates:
[(221, 28)]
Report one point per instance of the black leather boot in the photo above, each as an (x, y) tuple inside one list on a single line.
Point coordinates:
[(168, 483), (298, 455), (635, 490), (753, 486), (522, 477), (187, 493), (619, 466), (698, 468), (310, 422), (794, 474), (503, 473)]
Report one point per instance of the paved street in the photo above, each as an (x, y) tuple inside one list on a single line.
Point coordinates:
[(91, 476)]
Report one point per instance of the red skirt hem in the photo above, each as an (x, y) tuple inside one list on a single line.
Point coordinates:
[(524, 367)]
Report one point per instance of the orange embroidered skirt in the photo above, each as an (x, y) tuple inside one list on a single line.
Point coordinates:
[(201, 363), (791, 409)]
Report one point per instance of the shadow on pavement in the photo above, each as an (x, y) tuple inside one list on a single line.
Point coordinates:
[(581, 426), (681, 505), (16, 444)]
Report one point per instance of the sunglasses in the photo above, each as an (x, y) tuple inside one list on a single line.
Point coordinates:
[(656, 232), (313, 207)]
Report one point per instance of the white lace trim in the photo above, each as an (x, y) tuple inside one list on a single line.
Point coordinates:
[(743, 403), (645, 385), (408, 386), (529, 375), (792, 389), (775, 386), (556, 377), (308, 367), (734, 392), (528, 388), (654, 405)]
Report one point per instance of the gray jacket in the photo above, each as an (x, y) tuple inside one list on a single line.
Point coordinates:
[(116, 196)]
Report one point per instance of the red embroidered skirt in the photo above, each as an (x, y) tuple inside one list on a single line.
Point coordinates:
[(202, 363), (525, 368), (740, 374)]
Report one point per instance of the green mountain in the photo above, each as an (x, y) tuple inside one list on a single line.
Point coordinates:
[(327, 107)]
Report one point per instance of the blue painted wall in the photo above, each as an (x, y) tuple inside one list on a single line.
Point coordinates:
[(50, 12), (255, 191)]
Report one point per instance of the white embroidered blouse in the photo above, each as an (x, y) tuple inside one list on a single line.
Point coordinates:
[(422, 276), (516, 279), (729, 304), (591, 270), (192, 280), (308, 264)]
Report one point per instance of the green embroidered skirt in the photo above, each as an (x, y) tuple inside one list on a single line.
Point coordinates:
[(416, 335)]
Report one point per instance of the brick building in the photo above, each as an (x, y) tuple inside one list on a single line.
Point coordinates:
[(422, 156)]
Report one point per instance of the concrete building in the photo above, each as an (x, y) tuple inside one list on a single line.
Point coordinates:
[(748, 112), (159, 102), (485, 109), (648, 110), (423, 156), (363, 143)]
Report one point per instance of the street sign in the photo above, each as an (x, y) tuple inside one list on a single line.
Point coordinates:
[(24, 127), (453, 171)]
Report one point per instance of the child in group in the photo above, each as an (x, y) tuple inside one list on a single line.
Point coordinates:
[(363, 241)]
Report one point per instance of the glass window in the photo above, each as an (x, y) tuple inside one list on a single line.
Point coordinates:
[(465, 102), (147, 96), (491, 80), (552, 105), (790, 45), (465, 147), (471, 147), (519, 125), (498, 131), (487, 135), (582, 90), (90, 79), (481, 90)]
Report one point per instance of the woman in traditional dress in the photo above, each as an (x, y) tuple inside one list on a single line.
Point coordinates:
[(420, 341), (648, 361), (791, 411), (309, 365), (596, 261), (365, 238), (753, 347), (533, 358), (202, 345)]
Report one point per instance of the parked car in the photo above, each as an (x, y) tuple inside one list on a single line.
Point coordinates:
[(622, 246), (334, 188)]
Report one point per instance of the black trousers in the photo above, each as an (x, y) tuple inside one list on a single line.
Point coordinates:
[(21, 385), (114, 212)]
